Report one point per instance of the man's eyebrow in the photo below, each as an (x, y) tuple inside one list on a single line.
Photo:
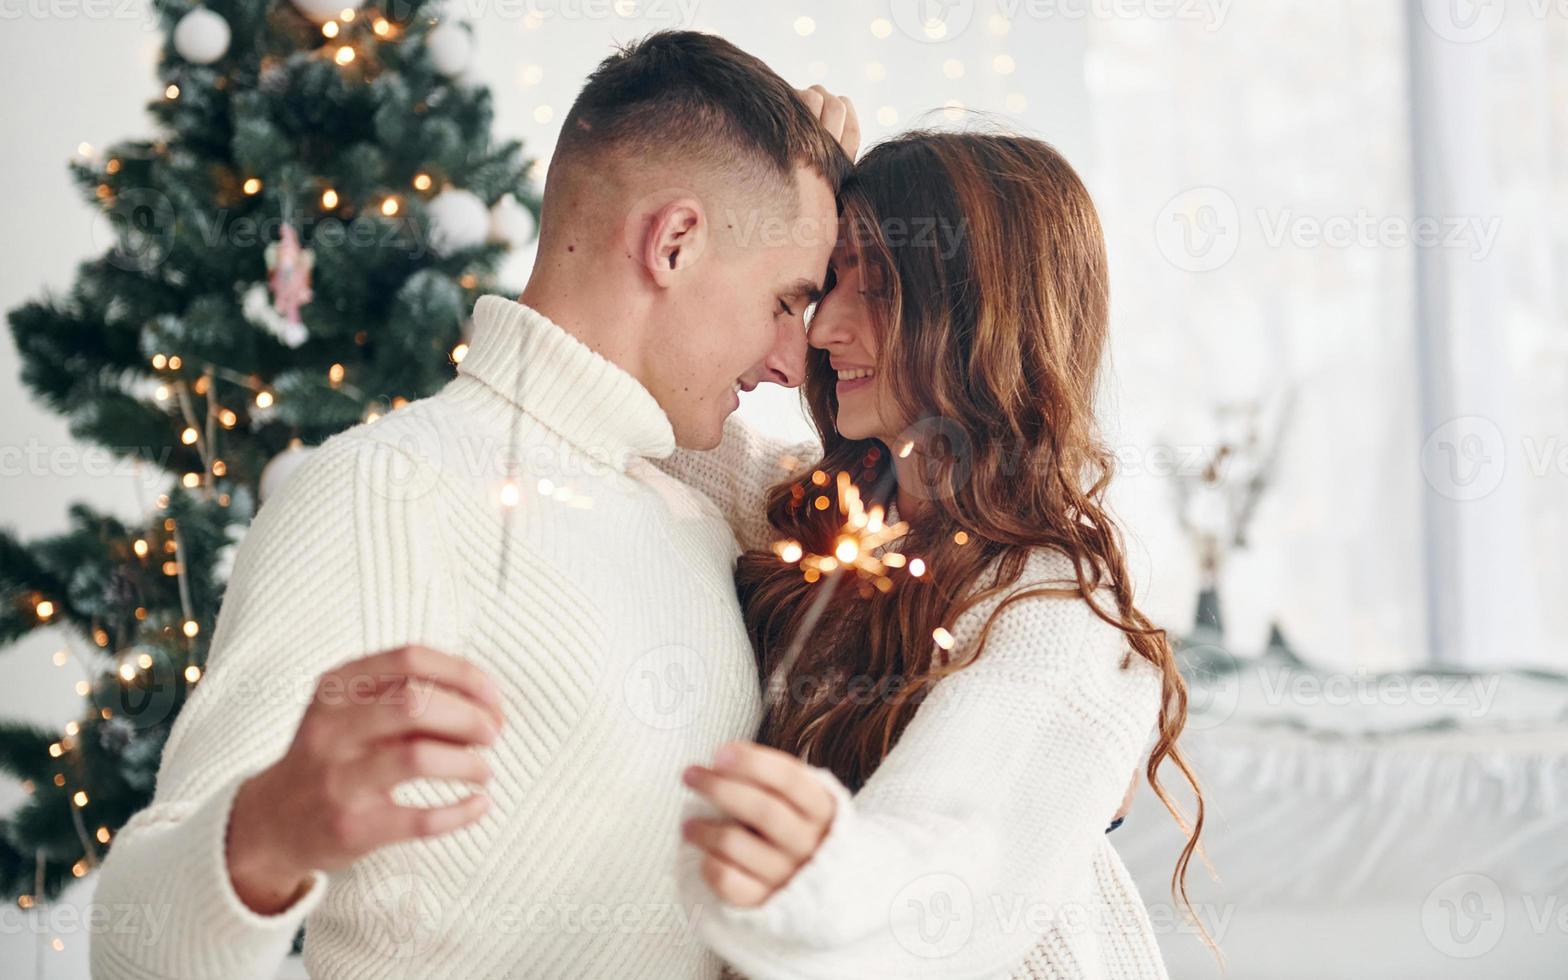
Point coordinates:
[(806, 289)]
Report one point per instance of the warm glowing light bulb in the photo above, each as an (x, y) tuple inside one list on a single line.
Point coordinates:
[(345, 55), (847, 550), (127, 672), (172, 92), (79, 797), (330, 28), (510, 494), (44, 609), (791, 552), (422, 182), (191, 628), (458, 353), (193, 673), (917, 567), (382, 27), (263, 399), (335, 373), (251, 186), (943, 638), (389, 206), (329, 198), (140, 547), (188, 436)]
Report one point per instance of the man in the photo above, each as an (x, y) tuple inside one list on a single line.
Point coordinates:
[(507, 807)]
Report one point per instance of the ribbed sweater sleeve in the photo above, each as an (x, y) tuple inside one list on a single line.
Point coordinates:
[(977, 832), (346, 560), (738, 474)]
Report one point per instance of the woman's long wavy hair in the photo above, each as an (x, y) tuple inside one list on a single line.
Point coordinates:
[(986, 271)]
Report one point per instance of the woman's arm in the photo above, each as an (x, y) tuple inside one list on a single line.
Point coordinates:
[(978, 830), (738, 474)]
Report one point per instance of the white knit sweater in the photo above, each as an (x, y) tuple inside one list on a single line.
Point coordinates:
[(615, 637), (978, 847)]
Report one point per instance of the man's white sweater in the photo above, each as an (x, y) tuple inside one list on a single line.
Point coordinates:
[(615, 637)]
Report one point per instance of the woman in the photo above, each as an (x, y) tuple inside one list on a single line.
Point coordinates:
[(934, 785)]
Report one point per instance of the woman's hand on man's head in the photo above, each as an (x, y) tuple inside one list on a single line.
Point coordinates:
[(836, 114)]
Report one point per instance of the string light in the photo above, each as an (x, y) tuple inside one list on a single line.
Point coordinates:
[(193, 673), (917, 567), (175, 362), (329, 199), (422, 181), (83, 688), (191, 628), (335, 374), (140, 547), (172, 92), (458, 353), (389, 206), (330, 28), (382, 27), (881, 27), (251, 186), (189, 436), (263, 399), (943, 638), (345, 55), (44, 609), (347, 15), (159, 362)]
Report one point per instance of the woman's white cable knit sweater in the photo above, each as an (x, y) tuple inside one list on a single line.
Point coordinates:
[(978, 848), (615, 637)]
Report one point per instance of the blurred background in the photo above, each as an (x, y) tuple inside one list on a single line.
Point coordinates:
[(1338, 392)]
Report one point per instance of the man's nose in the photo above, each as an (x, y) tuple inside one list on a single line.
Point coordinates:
[(786, 362)]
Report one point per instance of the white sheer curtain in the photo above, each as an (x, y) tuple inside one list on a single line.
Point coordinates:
[(1361, 203), (1492, 124), (1230, 155)]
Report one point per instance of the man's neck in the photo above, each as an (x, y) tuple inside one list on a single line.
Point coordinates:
[(595, 316)]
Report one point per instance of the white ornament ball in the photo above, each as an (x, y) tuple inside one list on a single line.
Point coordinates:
[(511, 224), (450, 46), (201, 36), (458, 220), (322, 11), (278, 470)]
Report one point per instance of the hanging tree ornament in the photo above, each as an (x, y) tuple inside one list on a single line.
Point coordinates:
[(201, 36), (458, 220), (450, 46), (288, 281), (322, 11)]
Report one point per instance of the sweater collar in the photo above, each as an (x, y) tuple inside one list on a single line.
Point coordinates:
[(536, 366)]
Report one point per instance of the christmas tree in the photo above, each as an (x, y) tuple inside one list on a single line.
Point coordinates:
[(293, 254)]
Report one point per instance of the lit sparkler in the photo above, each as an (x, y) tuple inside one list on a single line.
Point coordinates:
[(863, 531)]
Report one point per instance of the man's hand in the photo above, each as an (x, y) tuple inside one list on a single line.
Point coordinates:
[(775, 816), (403, 714), (836, 114)]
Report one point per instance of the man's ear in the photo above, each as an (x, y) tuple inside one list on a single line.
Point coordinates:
[(676, 238)]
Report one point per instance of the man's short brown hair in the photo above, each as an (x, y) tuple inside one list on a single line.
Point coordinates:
[(696, 97)]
